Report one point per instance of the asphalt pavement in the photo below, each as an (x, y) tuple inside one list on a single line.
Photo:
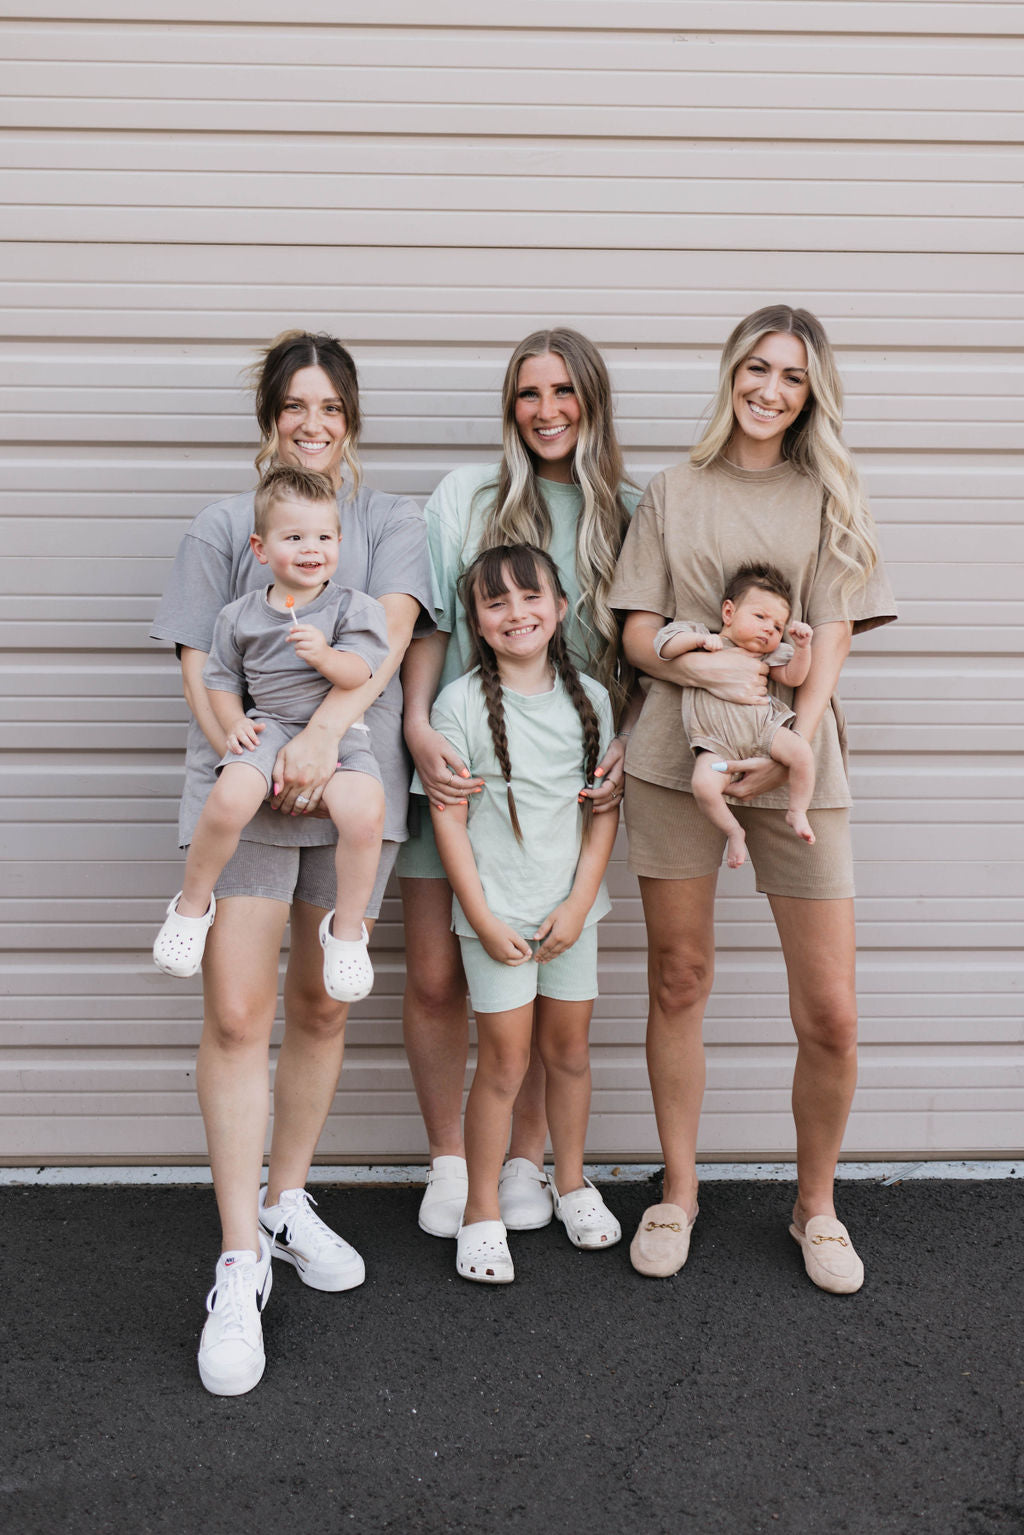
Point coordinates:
[(732, 1399)]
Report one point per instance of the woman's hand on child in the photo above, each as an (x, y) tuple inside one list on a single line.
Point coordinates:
[(559, 931), (801, 634), (609, 776), (758, 775), (304, 766), (310, 644), (505, 945), (733, 675), (244, 735), (442, 772)]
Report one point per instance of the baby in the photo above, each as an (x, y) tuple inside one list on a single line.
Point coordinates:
[(287, 668), (755, 609)]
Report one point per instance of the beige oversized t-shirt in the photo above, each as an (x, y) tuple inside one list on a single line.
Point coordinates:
[(692, 530)]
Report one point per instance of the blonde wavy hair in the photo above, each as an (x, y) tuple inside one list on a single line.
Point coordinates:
[(271, 376), (518, 514), (813, 444)]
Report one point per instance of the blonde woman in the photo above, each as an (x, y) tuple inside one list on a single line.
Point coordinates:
[(560, 485), (307, 411), (770, 481)]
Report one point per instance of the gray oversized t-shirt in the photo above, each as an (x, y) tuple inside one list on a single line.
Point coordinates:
[(383, 551)]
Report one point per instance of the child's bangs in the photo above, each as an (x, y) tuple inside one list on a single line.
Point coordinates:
[(509, 565)]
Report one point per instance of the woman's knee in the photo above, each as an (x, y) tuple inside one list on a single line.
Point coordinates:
[(236, 1026), (680, 981), (436, 986), (308, 1010), (827, 1023)]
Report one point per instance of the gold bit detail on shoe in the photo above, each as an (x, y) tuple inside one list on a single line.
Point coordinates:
[(663, 1226), (817, 1241)]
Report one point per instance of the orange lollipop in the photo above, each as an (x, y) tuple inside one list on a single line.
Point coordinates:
[(289, 603)]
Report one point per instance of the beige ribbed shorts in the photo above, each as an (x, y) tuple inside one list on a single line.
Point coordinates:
[(671, 838)]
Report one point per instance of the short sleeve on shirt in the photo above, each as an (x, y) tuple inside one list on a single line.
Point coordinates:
[(642, 581)]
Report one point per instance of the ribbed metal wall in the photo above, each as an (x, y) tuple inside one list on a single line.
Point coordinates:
[(180, 183)]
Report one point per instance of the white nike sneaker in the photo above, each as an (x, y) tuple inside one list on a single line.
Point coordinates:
[(231, 1356)]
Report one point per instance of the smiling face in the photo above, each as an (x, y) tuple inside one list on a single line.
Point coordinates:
[(548, 415), (518, 622), (770, 389), (300, 545), (756, 621), (311, 426)]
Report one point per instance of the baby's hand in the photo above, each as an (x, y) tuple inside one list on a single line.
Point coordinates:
[(243, 735), (801, 635), (711, 642), (310, 643)]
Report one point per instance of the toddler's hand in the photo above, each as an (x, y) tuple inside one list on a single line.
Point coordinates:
[(711, 642), (801, 635), (244, 736), (505, 945), (310, 643)]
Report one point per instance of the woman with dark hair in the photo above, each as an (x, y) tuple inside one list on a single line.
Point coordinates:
[(307, 406), (560, 485), (771, 481)]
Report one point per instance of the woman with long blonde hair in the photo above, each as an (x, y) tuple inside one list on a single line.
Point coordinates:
[(770, 481), (560, 485)]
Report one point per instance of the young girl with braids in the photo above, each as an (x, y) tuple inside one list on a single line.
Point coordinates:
[(560, 484), (526, 861)]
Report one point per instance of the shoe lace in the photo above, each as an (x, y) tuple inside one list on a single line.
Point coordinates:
[(233, 1298), (307, 1226)]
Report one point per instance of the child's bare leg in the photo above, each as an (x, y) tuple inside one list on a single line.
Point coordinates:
[(355, 802), (795, 754), (709, 790), (231, 804), (563, 1039), (503, 1054)]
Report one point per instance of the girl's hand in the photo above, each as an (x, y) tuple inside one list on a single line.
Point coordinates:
[(244, 735), (443, 774), (505, 945), (801, 635), (609, 776), (304, 766), (559, 931), (310, 644), (758, 775)]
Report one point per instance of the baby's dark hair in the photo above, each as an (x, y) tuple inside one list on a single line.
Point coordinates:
[(285, 480), (762, 578), (490, 574)]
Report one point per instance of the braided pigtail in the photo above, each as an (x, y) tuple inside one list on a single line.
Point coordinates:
[(563, 664), (490, 681)]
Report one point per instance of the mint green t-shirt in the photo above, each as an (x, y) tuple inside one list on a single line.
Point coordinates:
[(524, 882)]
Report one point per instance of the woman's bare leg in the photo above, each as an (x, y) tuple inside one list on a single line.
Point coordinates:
[(309, 1062), (434, 1012), (819, 945), (232, 1070), (680, 964)]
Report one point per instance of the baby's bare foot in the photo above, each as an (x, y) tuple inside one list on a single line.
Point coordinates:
[(800, 824), (736, 854)]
